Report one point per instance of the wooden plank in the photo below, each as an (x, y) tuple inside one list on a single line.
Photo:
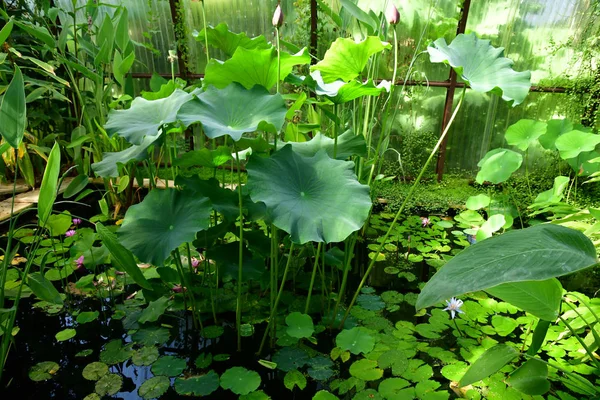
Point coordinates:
[(7, 188), (5, 208), (33, 196)]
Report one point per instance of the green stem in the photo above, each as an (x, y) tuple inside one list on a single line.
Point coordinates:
[(274, 310), (312, 278), (335, 130), (589, 352), (342, 291), (278, 76), (205, 31), (238, 309), (195, 310), (408, 197)]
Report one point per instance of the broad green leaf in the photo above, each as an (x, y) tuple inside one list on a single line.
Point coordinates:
[(109, 166), (65, 334), (390, 388), (76, 186), (114, 352), (554, 128), (121, 258), (109, 385), (553, 195), (539, 334), (122, 30), (87, 316), (224, 201), (498, 165), (43, 288), (370, 21), (234, 111), (346, 59), (478, 202), (493, 224), (540, 298), (482, 66), (38, 32), (205, 158), (94, 371), (6, 30), (43, 371), (290, 358), (294, 378), (163, 221), (299, 325), (356, 340), (366, 370), (145, 117), (524, 132), (240, 380), (154, 387), (489, 363), (145, 356), (154, 310), (348, 145), (253, 67), (531, 378), (220, 37), (301, 192), (340, 92), (151, 336), (573, 143), (201, 385), (537, 253), (13, 111), (169, 366), (324, 395)]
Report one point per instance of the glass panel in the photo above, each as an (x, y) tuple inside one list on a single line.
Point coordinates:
[(481, 123), (538, 35)]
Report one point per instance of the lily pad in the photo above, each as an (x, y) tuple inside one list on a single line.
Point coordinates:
[(346, 59), (169, 366), (524, 133), (290, 358), (240, 380), (43, 371), (234, 111), (299, 325), (65, 334), (320, 368), (482, 66), (145, 356), (212, 332), (390, 388), (115, 353), (109, 384), (324, 395), (154, 310), (95, 371), (203, 360), (145, 117), (162, 222), (87, 316), (356, 340), (366, 370), (300, 193), (154, 387), (201, 385), (294, 378)]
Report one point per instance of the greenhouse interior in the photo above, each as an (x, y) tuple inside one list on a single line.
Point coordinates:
[(300, 199)]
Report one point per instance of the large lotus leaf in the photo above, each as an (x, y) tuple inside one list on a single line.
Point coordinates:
[(341, 92), (222, 38), (348, 145), (312, 198), (346, 59), (534, 254), (223, 200), (253, 67), (524, 132), (498, 165), (145, 117), (573, 143), (162, 222), (234, 111), (109, 166), (584, 163), (554, 128), (482, 66), (205, 158)]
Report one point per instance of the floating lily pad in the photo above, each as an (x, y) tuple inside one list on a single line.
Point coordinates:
[(290, 358), (370, 302), (43, 371), (221, 357), (154, 310), (84, 353), (87, 316), (240, 380), (203, 360), (366, 370), (294, 378), (109, 385), (169, 366), (115, 353), (320, 368), (92, 396), (246, 330), (256, 395), (356, 340), (212, 332), (368, 394), (324, 395), (145, 356), (154, 387), (65, 334), (95, 371), (391, 388), (299, 325), (201, 385), (151, 336)]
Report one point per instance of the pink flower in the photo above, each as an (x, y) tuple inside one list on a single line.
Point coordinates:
[(70, 232), (277, 17), (425, 221), (195, 262), (79, 263), (76, 221), (391, 14), (177, 289)]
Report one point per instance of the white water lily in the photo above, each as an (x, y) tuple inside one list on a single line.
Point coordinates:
[(454, 305)]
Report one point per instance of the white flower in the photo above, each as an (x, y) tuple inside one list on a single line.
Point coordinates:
[(454, 305)]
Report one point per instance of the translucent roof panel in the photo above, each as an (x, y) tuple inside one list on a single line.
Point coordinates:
[(537, 34)]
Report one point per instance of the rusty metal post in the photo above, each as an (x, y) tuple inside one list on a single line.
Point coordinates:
[(450, 95), (183, 71)]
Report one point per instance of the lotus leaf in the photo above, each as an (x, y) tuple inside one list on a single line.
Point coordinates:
[(524, 133), (43, 371), (348, 145), (87, 316), (346, 59), (169, 366), (573, 143), (240, 380), (109, 166), (163, 221), (65, 334), (115, 353), (554, 128), (356, 340), (340, 92), (498, 165), (299, 325), (366, 370), (95, 371), (201, 385), (154, 310), (540, 298), (145, 356), (151, 336), (154, 387), (145, 117), (222, 38), (300, 193), (234, 111), (294, 378), (109, 384), (290, 358), (251, 67), (482, 66)]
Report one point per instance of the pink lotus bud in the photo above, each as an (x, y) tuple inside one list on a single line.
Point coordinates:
[(177, 289), (278, 17), (391, 14)]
